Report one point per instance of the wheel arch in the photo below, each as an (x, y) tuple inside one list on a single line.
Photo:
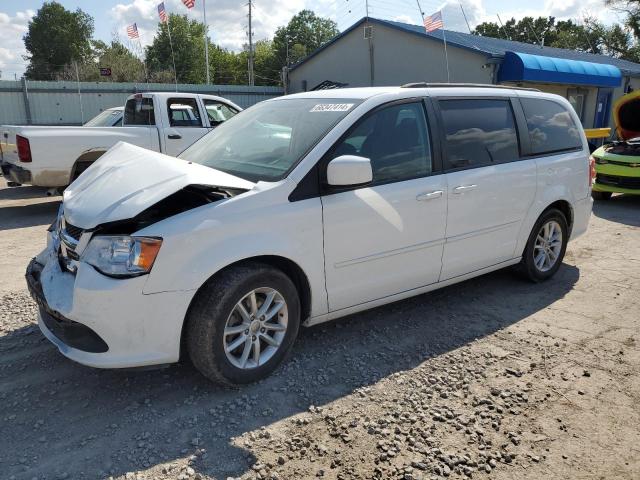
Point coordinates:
[(565, 207), (285, 265), (88, 156)]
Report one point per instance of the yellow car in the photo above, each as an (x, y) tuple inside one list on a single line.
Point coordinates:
[(618, 163)]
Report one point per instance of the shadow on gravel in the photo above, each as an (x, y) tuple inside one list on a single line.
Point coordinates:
[(59, 418), (22, 193), (30, 215), (620, 208)]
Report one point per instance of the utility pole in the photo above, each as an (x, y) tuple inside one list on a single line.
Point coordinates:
[(251, 80), (206, 39)]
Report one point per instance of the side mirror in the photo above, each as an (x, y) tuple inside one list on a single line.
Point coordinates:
[(349, 170)]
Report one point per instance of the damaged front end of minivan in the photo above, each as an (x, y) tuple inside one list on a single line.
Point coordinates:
[(96, 259)]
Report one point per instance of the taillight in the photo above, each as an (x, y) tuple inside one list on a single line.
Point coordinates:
[(592, 171), (24, 150)]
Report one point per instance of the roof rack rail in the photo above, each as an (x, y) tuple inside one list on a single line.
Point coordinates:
[(458, 85)]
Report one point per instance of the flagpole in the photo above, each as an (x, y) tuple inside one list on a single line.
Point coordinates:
[(206, 39), (144, 63), (173, 56), (444, 38)]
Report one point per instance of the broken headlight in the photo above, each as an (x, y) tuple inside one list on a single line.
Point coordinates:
[(122, 256)]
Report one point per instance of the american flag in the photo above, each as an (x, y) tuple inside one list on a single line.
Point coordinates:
[(433, 22), (189, 3), (162, 13), (132, 31)]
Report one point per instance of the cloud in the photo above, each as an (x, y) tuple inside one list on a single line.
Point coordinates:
[(12, 29), (227, 19)]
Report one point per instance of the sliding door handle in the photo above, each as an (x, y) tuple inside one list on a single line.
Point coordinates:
[(423, 197), (464, 189)]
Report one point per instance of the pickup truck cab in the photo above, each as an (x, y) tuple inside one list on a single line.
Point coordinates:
[(164, 122)]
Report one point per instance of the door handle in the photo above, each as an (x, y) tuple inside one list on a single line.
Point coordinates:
[(174, 136), (423, 197), (464, 188)]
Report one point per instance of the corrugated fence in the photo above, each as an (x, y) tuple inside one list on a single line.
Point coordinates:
[(73, 103)]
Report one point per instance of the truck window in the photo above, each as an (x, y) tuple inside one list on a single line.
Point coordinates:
[(551, 127), (218, 112), (183, 112), (139, 111)]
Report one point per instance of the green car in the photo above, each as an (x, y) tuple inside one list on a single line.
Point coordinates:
[(618, 163)]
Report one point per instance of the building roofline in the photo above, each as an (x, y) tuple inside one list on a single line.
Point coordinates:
[(425, 35)]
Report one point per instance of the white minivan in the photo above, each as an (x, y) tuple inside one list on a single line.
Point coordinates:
[(302, 209)]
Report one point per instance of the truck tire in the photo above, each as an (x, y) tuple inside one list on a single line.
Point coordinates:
[(242, 323)]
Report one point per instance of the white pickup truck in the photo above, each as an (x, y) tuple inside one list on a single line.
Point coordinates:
[(55, 156)]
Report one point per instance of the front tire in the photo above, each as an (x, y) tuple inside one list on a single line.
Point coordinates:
[(600, 195), (546, 246), (243, 323)]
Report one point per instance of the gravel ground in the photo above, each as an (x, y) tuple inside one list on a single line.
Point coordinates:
[(491, 378)]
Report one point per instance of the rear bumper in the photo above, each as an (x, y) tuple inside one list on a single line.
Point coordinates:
[(15, 173)]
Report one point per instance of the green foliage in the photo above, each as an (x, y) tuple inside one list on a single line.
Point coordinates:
[(591, 36), (50, 27), (56, 37), (304, 33), (188, 45)]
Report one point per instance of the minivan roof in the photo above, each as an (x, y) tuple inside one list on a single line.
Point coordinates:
[(409, 90)]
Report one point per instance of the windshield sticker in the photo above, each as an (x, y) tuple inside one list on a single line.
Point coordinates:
[(332, 107)]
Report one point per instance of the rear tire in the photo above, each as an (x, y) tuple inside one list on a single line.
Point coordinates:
[(600, 195), (226, 320), (546, 246)]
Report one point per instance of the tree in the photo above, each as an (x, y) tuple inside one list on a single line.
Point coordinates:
[(56, 38), (304, 33), (188, 46), (591, 36), (124, 65)]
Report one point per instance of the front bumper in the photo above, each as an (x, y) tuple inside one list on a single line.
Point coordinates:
[(618, 177), (15, 173), (105, 322)]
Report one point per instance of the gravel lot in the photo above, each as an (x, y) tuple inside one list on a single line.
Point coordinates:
[(491, 378)]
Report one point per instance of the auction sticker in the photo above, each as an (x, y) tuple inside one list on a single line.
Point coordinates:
[(331, 107)]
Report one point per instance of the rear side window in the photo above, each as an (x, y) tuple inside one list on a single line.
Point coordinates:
[(551, 128), (479, 132), (139, 111), (183, 112)]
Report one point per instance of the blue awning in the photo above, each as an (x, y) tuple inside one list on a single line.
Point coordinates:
[(523, 67)]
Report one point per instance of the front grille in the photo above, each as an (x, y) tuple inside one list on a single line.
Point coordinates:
[(73, 231), (616, 181)]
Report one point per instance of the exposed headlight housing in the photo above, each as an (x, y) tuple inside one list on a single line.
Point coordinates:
[(122, 255)]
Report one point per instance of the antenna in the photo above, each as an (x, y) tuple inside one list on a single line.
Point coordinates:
[(534, 32), (502, 27), (465, 16)]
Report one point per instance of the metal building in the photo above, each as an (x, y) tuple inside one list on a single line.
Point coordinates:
[(375, 52)]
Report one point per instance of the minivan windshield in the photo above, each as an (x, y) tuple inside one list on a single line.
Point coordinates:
[(265, 141)]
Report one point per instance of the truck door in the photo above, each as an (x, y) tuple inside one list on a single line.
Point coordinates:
[(185, 124)]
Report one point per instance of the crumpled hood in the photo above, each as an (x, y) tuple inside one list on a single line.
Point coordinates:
[(626, 116), (128, 179)]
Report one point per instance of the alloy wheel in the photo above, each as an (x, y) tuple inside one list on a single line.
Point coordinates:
[(548, 246), (256, 328)]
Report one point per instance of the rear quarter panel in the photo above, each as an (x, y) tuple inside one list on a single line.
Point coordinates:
[(54, 150)]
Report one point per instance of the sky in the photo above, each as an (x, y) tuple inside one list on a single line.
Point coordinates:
[(227, 19)]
